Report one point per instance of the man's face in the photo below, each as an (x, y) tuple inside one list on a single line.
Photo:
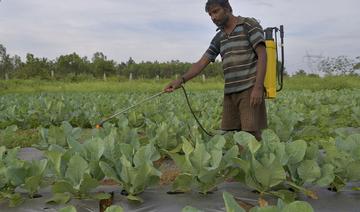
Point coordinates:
[(218, 15)]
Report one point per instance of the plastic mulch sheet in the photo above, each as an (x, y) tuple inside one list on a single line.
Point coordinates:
[(157, 199)]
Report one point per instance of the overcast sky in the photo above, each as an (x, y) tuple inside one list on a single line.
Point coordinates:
[(163, 30)]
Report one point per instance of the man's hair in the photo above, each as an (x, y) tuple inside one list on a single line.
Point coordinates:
[(223, 3)]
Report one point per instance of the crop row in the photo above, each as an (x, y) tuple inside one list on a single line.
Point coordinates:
[(74, 168)]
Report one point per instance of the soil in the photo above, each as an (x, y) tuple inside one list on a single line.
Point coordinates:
[(169, 171)]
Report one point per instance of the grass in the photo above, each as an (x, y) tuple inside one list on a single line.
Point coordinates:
[(317, 83), (26, 138), (36, 86), (20, 138), (113, 85)]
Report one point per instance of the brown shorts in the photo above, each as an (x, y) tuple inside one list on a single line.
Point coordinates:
[(239, 115)]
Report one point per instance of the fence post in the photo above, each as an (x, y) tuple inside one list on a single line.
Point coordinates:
[(130, 77), (203, 78), (104, 76)]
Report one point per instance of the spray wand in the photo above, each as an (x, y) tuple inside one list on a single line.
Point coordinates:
[(100, 125)]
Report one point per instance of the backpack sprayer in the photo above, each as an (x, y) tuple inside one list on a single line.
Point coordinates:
[(274, 74)]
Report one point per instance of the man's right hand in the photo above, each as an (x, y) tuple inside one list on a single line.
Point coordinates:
[(172, 86)]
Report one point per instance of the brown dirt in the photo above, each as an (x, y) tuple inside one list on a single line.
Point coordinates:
[(169, 171), (109, 182)]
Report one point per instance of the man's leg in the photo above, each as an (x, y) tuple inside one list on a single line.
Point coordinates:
[(230, 116), (253, 119)]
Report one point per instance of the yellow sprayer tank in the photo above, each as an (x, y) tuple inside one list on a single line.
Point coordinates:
[(270, 77), (274, 78)]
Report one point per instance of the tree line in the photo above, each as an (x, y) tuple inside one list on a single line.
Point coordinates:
[(73, 66)]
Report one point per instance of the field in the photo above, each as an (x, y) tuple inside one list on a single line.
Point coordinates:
[(115, 85), (313, 140)]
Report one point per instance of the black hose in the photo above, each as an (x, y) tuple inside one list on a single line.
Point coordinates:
[(281, 76), (191, 110)]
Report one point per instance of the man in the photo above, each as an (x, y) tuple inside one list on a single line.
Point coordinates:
[(240, 42)]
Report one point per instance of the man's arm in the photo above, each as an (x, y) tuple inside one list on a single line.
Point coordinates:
[(258, 90), (193, 71)]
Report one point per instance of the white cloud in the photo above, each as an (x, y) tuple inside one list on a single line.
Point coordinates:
[(170, 29)]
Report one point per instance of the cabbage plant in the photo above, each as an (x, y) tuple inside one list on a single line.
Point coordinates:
[(76, 170), (203, 165), (131, 165), (16, 173)]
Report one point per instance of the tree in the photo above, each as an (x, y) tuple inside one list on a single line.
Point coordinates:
[(357, 66), (2, 52), (285, 73), (101, 65), (340, 65), (33, 67), (75, 67), (2, 61), (130, 61), (16, 62), (72, 64), (5, 62), (301, 72)]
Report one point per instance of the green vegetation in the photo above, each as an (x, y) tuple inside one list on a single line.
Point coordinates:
[(116, 85), (297, 206), (301, 114), (125, 154), (313, 139), (73, 67), (313, 135), (16, 173), (13, 137), (313, 82), (113, 85)]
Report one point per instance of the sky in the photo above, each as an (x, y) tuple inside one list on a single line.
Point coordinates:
[(164, 30)]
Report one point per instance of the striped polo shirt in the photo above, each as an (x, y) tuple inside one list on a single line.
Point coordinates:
[(238, 55)]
